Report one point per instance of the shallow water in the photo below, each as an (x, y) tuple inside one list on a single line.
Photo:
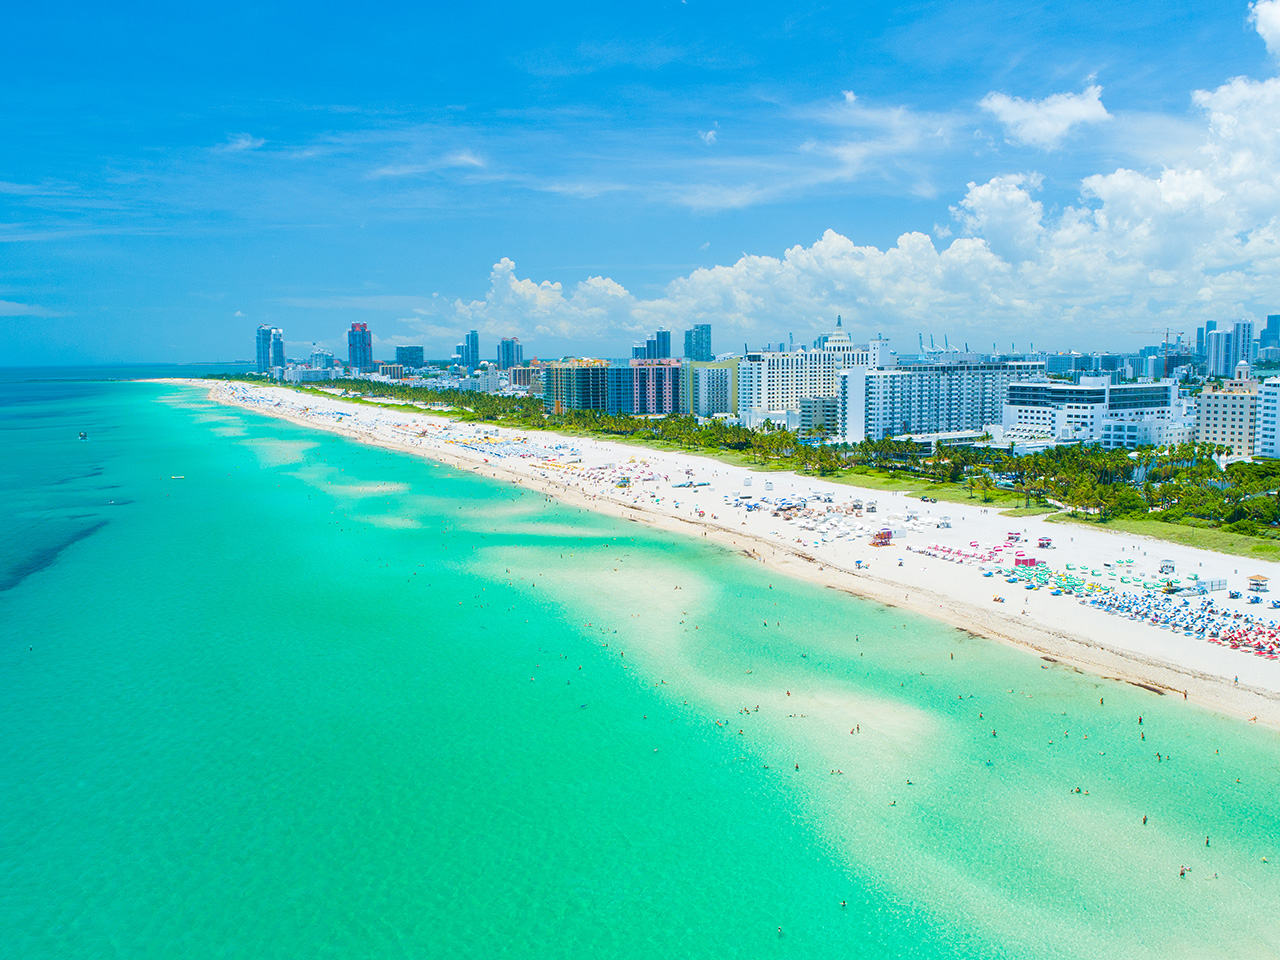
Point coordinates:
[(317, 699)]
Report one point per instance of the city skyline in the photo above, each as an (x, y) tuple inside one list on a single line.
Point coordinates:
[(585, 179)]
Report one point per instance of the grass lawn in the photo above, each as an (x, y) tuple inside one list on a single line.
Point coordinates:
[(1205, 538)]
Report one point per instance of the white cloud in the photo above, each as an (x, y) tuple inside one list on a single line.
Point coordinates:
[(708, 137), (1265, 17), (1194, 239), (241, 141), (463, 158), (1044, 123), (459, 158), (9, 308)]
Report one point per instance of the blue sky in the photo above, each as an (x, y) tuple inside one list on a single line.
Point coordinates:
[(1063, 174)]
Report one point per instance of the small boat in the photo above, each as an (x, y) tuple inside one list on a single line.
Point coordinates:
[(83, 435)]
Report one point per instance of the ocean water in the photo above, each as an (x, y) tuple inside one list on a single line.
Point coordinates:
[(272, 693)]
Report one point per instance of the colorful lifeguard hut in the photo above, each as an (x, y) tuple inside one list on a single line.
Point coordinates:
[(1258, 583), (882, 537)]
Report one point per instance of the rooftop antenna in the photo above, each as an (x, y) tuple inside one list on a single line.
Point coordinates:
[(837, 321)]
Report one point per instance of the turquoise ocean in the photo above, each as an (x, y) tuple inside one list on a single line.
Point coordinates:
[(271, 693)]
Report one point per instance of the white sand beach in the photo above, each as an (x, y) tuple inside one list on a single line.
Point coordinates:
[(1222, 657)]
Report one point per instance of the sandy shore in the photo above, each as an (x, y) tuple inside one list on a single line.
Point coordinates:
[(831, 545)]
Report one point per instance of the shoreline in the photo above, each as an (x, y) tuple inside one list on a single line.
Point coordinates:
[(1060, 630)]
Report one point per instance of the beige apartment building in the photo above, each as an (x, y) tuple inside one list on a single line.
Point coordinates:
[(1228, 414)]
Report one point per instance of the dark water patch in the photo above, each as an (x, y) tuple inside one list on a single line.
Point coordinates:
[(88, 475), (44, 557)]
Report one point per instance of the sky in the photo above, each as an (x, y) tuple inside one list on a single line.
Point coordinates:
[(1050, 174)]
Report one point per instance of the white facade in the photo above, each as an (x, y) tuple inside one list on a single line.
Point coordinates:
[(926, 398), (1149, 430), (712, 391), (1226, 348), (1267, 437), (1096, 410), (308, 374), (779, 381)]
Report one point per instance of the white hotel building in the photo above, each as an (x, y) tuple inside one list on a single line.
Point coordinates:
[(888, 400), (1124, 415), (771, 385)]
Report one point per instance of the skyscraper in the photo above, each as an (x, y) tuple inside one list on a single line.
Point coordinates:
[(1270, 336), (510, 353), (1202, 337), (410, 357), (663, 349), (471, 357), (1225, 348), (697, 343), (360, 348), (277, 347), (264, 348)]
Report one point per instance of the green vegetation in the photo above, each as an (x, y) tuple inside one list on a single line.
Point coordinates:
[(1205, 538), (1178, 493)]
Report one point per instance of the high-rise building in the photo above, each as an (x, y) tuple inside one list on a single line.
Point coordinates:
[(771, 382), (471, 351), (510, 353), (1224, 349), (1202, 336), (662, 349), (277, 348), (410, 358), (655, 386), (1228, 414), (697, 343), (879, 402), (1270, 336), (656, 347), (575, 385), (1267, 434), (1095, 409), (320, 359), (710, 387), (263, 342), (360, 348)]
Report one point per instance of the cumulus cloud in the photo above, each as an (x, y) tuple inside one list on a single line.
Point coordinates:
[(1265, 17), (1198, 238), (1045, 123)]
